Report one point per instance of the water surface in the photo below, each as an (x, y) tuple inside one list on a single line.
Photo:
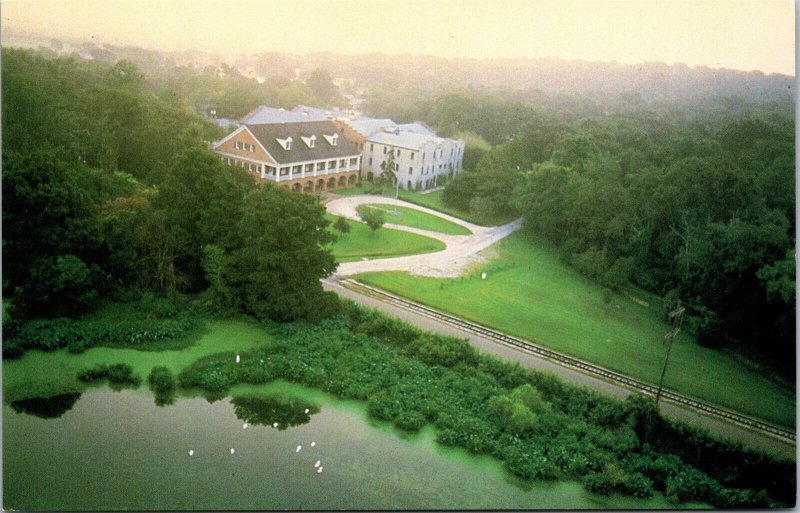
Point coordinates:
[(119, 450)]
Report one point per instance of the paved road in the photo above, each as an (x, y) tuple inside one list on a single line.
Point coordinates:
[(460, 253)]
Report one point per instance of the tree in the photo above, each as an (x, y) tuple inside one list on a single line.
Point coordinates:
[(322, 86), (277, 268), (341, 225), (389, 175), (372, 216)]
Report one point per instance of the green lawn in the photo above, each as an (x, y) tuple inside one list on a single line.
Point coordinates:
[(44, 374), (531, 294), (432, 200), (361, 243), (416, 219)]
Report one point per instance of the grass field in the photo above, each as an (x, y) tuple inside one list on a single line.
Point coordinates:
[(432, 200), (531, 294), (416, 219), (361, 243)]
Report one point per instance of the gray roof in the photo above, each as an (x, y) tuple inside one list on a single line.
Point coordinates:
[(324, 113), (264, 115), (369, 126), (408, 140), (268, 135), (417, 128)]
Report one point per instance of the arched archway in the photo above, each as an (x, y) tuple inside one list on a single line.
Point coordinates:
[(309, 187), (331, 183), (351, 180), (320, 185), (296, 187), (342, 181), (370, 176)]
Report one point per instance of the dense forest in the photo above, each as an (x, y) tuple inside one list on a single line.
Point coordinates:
[(108, 188)]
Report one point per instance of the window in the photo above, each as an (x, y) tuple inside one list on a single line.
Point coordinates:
[(412, 155), (284, 171), (335, 140), (331, 164), (410, 170), (384, 150), (371, 147), (289, 143), (237, 145), (370, 161), (398, 152)]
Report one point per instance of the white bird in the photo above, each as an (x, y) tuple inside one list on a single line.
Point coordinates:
[(319, 470), (237, 358), (274, 424), (306, 410), (191, 452), (233, 450), (317, 464), (244, 426), (313, 444), (298, 448)]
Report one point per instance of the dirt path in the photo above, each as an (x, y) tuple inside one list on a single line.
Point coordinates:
[(460, 253)]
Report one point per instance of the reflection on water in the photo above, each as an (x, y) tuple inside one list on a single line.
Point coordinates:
[(46, 407), (119, 451), (268, 410)]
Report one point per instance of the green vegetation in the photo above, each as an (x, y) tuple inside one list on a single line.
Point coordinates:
[(119, 375), (432, 200), (538, 426), (530, 293), (411, 217), (360, 243), (374, 217), (163, 384)]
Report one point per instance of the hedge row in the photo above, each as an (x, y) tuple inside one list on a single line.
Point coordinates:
[(539, 426), (77, 336)]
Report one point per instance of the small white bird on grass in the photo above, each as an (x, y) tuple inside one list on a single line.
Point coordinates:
[(313, 444), (306, 410), (244, 426), (233, 450), (316, 465), (191, 452), (274, 424), (319, 470), (237, 358), (298, 448)]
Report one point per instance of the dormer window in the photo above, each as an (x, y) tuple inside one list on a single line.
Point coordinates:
[(286, 144), (333, 140), (310, 141)]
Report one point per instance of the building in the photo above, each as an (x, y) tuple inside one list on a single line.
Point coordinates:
[(423, 159), (295, 150)]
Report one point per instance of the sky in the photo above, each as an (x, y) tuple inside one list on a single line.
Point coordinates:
[(736, 34)]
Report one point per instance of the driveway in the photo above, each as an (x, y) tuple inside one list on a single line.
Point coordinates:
[(460, 253)]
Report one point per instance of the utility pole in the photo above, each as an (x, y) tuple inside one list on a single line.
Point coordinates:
[(676, 316)]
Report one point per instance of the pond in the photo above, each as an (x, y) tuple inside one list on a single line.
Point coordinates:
[(118, 450)]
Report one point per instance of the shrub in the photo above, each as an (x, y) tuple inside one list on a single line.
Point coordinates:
[(120, 374), (442, 350), (691, 485), (161, 380)]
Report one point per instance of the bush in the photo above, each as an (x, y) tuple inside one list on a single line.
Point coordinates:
[(77, 336), (120, 374), (441, 350), (161, 380)]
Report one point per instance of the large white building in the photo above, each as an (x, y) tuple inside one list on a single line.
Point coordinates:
[(423, 159)]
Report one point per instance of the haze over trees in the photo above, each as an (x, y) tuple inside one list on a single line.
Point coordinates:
[(108, 187)]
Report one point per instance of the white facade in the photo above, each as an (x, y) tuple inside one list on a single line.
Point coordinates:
[(423, 161)]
